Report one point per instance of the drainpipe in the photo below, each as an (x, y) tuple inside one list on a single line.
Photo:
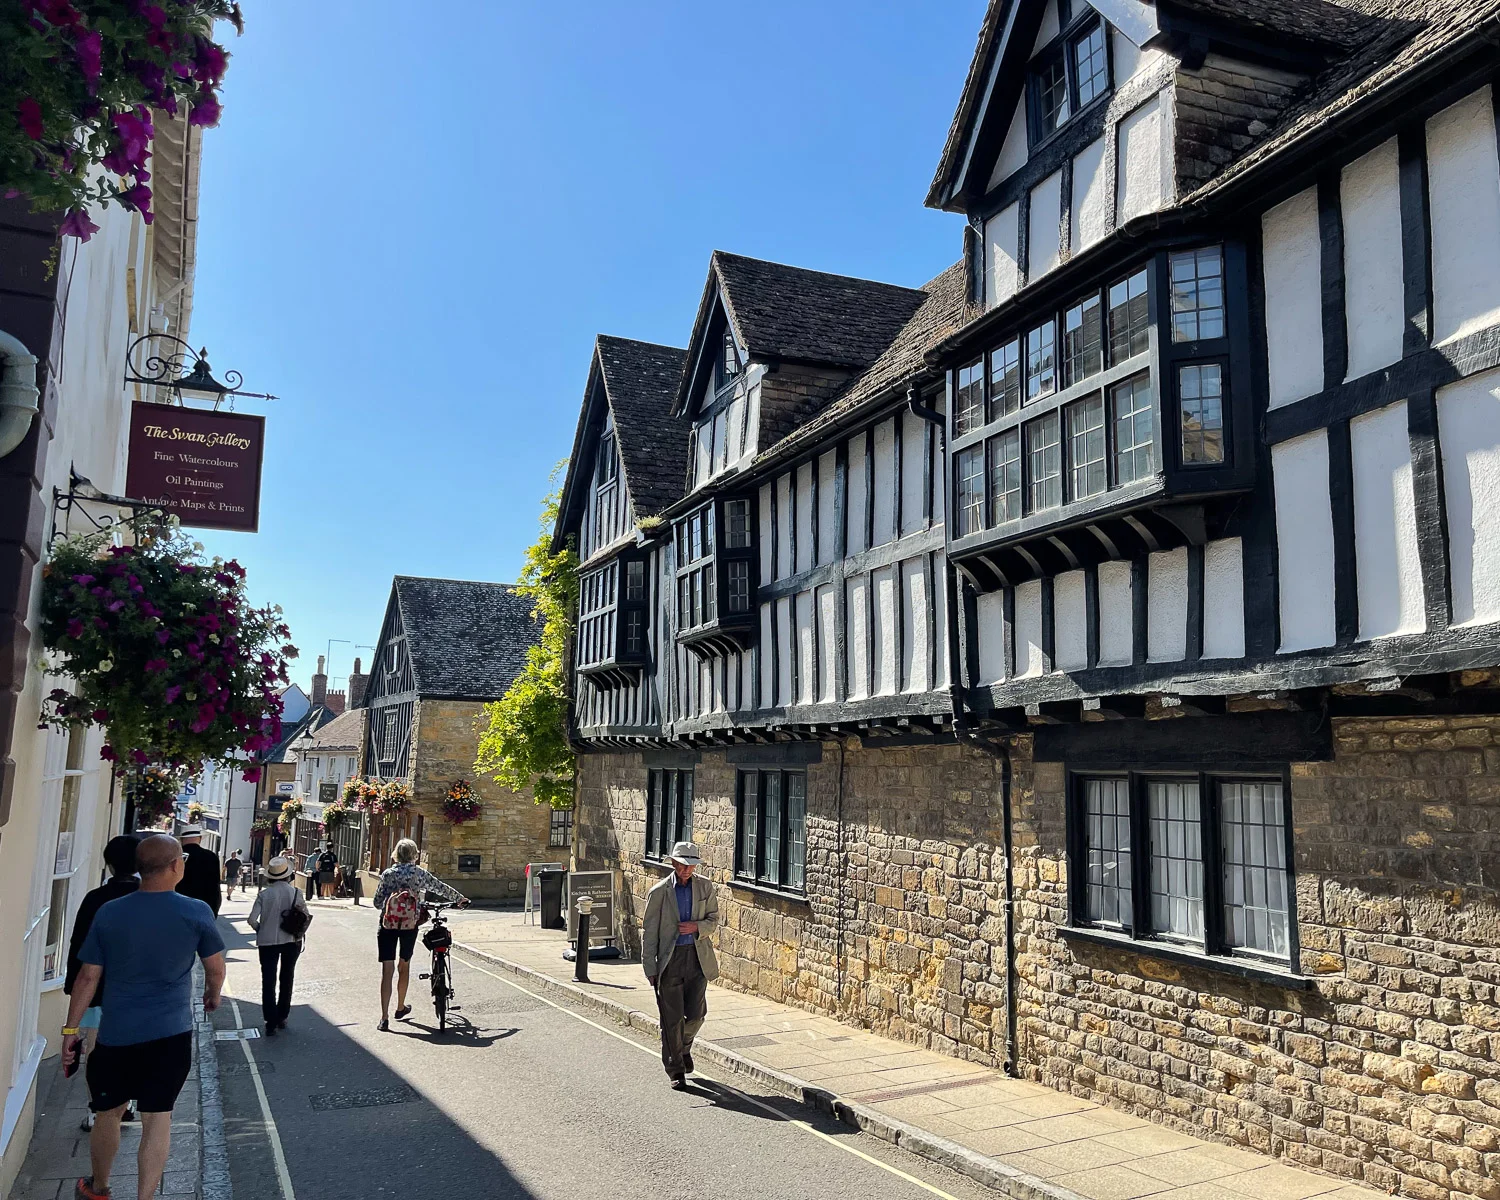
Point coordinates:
[(18, 394)]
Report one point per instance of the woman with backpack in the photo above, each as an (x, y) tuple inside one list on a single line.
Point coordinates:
[(398, 900), (280, 918)]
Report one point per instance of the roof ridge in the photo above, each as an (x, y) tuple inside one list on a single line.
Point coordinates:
[(772, 262)]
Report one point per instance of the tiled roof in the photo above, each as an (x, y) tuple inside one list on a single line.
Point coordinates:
[(467, 640), (943, 311), (969, 99), (341, 733), (641, 379), (811, 316), (314, 718), (1342, 23)]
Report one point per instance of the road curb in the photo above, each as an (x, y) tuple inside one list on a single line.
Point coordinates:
[(213, 1150), (915, 1140)]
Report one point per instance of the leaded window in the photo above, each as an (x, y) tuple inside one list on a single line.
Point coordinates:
[(1043, 463), (1132, 418), (1200, 398), (738, 579), (1106, 840), (968, 410), (1257, 904), (1083, 341), (1005, 379), (1197, 294), (1005, 476), (669, 810), (770, 845), (1041, 361), (1176, 859), (1086, 461), (1129, 317), (970, 490), (1090, 64), (1051, 90), (737, 524)]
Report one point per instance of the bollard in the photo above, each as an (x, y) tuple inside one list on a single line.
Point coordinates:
[(581, 957)]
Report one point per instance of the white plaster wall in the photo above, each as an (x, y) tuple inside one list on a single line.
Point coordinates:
[(1014, 152), (785, 649), (1127, 59), (1463, 182), (1469, 433), (767, 679), (736, 430), (913, 473), (1374, 293), (1070, 622), (1167, 605), (1044, 243), (1388, 568), (857, 624), (827, 513), (916, 626), (940, 609), (802, 604), (1116, 615), (1224, 599), (1304, 541), (1001, 247), (1144, 169), (990, 626), (767, 568), (783, 525), (859, 489), (805, 517), (939, 509), (883, 637), (885, 482), (752, 424), (1029, 628), (1091, 196), (1050, 26), (827, 601), (1294, 297)]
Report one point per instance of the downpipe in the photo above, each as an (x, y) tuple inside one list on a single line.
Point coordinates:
[(18, 392)]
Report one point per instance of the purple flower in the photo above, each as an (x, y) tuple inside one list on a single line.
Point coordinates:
[(76, 224), (138, 197), (152, 14), (116, 606), (206, 109), (101, 622), (29, 114), (75, 627), (171, 694), (83, 579), (156, 664), (100, 715), (88, 47), (135, 131), (163, 636), (186, 568), (57, 12), (209, 61), (107, 752), (252, 775)]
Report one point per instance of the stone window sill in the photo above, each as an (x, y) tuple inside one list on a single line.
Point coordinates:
[(1239, 967), (761, 889), (660, 864)]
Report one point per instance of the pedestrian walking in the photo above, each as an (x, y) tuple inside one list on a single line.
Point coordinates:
[(310, 866), (328, 863), (119, 857), (232, 869), (280, 918), (146, 943), (681, 911), (398, 900), (200, 870)]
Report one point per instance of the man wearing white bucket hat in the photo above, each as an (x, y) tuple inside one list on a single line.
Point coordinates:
[(681, 911)]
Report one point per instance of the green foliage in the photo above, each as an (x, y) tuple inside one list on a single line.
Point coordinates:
[(524, 736)]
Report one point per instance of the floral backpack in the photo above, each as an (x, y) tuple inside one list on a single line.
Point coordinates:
[(402, 911)]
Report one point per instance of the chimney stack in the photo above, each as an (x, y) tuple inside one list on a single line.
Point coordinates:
[(335, 700), (358, 682), (319, 684)]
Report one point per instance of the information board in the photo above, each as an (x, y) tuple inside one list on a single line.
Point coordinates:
[(203, 466), (600, 887)]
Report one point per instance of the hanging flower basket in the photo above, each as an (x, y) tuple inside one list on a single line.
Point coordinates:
[(164, 650), (290, 811), (153, 792), (337, 814), (262, 826), (194, 813), (361, 794), (80, 84), (461, 804), (395, 799)]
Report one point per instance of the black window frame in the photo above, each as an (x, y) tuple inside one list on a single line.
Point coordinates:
[(1215, 944), (608, 612), (703, 549), (669, 810), (969, 489), (1062, 52), (1177, 368), (968, 401), (560, 827), (755, 867)]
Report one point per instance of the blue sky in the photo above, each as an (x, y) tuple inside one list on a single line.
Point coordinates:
[(412, 229)]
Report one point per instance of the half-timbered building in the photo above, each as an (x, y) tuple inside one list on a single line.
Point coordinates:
[(1089, 662), (446, 648)]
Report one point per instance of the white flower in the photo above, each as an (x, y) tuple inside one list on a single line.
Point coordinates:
[(197, 547), (106, 664), (176, 653), (189, 608), (214, 638), (192, 695)]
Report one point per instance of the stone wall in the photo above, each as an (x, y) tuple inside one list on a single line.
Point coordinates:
[(902, 929), (512, 830), (1385, 1071)]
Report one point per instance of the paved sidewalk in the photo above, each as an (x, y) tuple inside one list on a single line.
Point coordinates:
[(59, 1151), (1045, 1143)]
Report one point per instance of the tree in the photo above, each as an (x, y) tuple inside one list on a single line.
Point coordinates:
[(524, 739)]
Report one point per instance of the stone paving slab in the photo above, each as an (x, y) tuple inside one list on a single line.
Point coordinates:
[(1037, 1142)]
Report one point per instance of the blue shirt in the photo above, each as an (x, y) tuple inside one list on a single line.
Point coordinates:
[(146, 943), (684, 909)]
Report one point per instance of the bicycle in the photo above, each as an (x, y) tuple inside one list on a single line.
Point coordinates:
[(439, 939)]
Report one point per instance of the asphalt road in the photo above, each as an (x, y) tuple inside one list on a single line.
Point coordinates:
[(519, 1098)]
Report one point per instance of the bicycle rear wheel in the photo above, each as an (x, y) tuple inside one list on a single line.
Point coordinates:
[(440, 990)]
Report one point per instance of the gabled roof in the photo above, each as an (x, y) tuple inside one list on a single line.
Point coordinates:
[(943, 312), (342, 733), (467, 640), (314, 718), (791, 314)]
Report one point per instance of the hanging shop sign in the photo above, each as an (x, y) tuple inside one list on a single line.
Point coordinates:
[(201, 465)]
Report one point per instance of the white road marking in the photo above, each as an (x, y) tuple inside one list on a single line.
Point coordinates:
[(780, 1116), (283, 1176)]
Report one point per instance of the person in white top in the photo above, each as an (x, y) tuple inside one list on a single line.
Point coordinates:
[(280, 918)]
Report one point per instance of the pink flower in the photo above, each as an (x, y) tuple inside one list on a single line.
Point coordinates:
[(171, 694), (163, 636), (57, 12), (135, 132), (100, 715), (89, 47), (83, 579), (75, 627), (116, 606), (107, 752), (186, 568), (252, 775), (206, 109), (76, 224), (152, 14), (29, 114)]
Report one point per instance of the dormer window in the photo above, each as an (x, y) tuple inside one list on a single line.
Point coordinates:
[(728, 367), (608, 466), (613, 613), (1069, 75), (715, 577)]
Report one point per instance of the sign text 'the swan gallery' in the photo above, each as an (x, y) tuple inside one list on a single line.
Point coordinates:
[(202, 465)]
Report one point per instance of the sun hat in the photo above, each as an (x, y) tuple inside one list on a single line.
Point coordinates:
[(686, 853), (188, 831), (279, 869)]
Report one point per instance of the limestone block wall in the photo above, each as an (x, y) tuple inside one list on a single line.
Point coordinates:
[(902, 927), (1388, 1070), (511, 831)]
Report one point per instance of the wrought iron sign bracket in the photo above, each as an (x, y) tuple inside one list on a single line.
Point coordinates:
[(80, 495), (162, 360)]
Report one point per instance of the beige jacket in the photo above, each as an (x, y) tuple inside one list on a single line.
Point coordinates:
[(659, 929)]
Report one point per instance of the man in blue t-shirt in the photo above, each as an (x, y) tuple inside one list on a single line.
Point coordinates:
[(147, 941)]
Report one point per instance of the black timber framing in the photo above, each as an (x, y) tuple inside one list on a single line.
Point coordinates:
[(1341, 499), (1194, 647), (1270, 738), (1416, 239), (1331, 244), (1431, 507), (1139, 609), (1091, 613)]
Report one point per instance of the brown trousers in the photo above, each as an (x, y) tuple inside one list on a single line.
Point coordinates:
[(682, 1003)]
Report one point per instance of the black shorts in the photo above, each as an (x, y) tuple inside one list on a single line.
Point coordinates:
[(150, 1073), (389, 938)]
